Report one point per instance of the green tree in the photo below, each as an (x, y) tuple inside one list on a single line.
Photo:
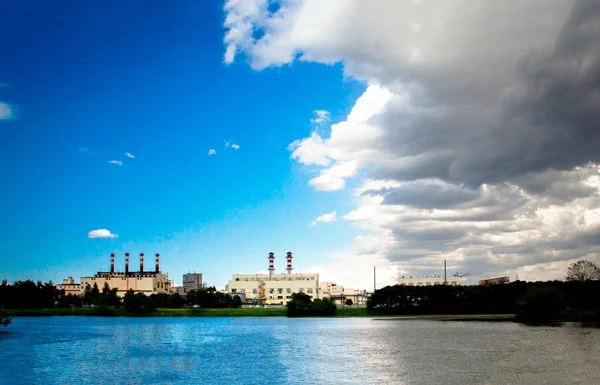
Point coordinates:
[(301, 305), (583, 271), (540, 304), (138, 302), (349, 302)]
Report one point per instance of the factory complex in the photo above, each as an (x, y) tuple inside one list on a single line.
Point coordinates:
[(270, 288)]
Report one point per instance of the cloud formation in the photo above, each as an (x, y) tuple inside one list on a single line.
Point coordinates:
[(477, 130), (321, 116), (325, 218), (212, 152), (129, 155), (235, 146), (116, 162), (6, 111), (101, 233)]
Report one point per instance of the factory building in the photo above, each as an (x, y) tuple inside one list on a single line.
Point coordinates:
[(192, 281), (340, 294), (147, 282), (272, 288), (428, 280), (69, 286)]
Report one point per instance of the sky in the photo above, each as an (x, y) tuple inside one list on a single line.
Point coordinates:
[(353, 133)]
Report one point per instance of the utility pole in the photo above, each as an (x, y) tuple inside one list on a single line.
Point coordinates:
[(374, 280), (445, 277)]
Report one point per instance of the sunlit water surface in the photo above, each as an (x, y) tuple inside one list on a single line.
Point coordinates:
[(93, 350)]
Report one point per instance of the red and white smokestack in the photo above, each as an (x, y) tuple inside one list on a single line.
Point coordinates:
[(271, 263), (126, 263), (157, 264), (141, 262), (112, 262), (289, 262)]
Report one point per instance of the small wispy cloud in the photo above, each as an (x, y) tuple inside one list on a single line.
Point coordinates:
[(321, 116), (325, 218), (6, 111), (212, 152), (5, 85), (117, 162), (235, 146), (175, 248), (227, 143), (82, 149), (129, 155), (102, 233)]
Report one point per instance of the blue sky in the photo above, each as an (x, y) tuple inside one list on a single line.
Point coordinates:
[(87, 82)]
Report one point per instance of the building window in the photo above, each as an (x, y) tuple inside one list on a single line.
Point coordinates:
[(279, 291), (254, 291), (271, 291), (310, 290), (234, 290), (289, 291), (242, 290), (301, 290)]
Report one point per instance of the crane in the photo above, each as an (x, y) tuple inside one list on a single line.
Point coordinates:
[(460, 275)]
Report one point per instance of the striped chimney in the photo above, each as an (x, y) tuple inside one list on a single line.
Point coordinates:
[(289, 262), (271, 262), (112, 262), (157, 264), (141, 262), (126, 263)]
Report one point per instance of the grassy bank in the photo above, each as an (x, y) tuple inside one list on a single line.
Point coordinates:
[(226, 312)]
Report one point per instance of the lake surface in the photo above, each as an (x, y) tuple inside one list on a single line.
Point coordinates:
[(94, 350)]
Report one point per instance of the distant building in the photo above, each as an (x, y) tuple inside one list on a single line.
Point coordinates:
[(192, 281), (69, 286), (274, 288), (179, 290), (147, 282), (494, 281), (340, 294), (428, 280)]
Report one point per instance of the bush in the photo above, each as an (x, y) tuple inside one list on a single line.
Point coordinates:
[(540, 304), (138, 303), (301, 305)]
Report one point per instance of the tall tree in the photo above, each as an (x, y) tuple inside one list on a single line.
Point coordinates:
[(583, 271)]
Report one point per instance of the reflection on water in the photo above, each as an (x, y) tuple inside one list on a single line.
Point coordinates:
[(82, 350)]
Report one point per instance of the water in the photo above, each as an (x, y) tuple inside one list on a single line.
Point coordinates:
[(91, 350)]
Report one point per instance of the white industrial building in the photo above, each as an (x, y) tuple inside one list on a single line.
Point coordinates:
[(428, 280), (274, 289), (147, 282)]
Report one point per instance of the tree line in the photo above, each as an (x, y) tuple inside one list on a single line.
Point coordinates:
[(37, 295), (576, 297)]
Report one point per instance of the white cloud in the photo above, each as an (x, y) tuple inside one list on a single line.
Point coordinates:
[(101, 233), (235, 146), (6, 111), (117, 162), (321, 116), (129, 155), (325, 218), (482, 170), (212, 152)]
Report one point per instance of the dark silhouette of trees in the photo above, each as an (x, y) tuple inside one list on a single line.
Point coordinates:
[(349, 302), (301, 305), (27, 295), (529, 300), (138, 302), (209, 298), (583, 271)]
